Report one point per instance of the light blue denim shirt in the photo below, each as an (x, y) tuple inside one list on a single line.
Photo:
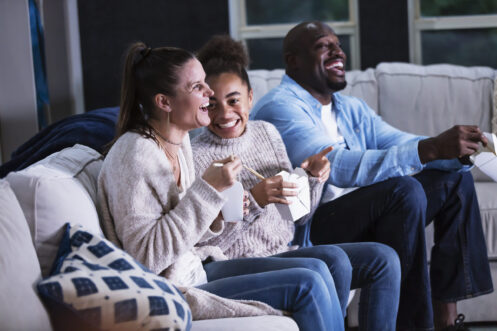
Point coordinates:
[(374, 151)]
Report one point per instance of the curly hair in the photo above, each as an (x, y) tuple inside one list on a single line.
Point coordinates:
[(222, 54)]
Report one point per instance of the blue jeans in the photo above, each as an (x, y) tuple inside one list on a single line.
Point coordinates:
[(395, 212), (373, 267), (300, 291)]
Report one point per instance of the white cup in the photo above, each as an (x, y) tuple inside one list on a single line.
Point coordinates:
[(233, 208)]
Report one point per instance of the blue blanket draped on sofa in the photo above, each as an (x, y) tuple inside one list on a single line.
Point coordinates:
[(94, 129)]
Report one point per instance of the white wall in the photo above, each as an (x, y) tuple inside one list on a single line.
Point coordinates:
[(18, 119)]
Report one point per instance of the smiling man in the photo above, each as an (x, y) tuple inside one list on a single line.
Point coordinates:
[(385, 185)]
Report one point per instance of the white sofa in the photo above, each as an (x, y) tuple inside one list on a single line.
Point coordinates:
[(35, 203), (427, 100)]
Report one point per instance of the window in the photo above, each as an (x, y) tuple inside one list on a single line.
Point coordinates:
[(263, 24), (460, 32)]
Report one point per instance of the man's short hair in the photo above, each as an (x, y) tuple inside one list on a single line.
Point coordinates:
[(291, 41)]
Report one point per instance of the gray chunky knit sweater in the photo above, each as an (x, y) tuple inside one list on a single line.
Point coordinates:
[(263, 232)]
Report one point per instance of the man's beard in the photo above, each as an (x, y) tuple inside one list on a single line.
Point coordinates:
[(337, 86)]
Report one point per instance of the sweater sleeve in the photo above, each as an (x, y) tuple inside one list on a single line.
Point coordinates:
[(315, 187), (142, 198)]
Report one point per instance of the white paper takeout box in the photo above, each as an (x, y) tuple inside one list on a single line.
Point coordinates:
[(301, 204), (486, 157), (233, 208)]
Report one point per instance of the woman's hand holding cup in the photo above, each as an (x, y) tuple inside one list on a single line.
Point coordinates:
[(221, 174)]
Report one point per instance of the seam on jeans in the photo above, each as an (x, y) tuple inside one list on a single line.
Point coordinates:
[(464, 247), (363, 320)]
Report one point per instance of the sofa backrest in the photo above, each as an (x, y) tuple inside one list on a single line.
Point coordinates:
[(58, 189), (427, 100), (361, 84)]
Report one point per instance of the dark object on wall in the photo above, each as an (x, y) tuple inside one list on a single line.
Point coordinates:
[(108, 27), (94, 129), (38, 47), (384, 33)]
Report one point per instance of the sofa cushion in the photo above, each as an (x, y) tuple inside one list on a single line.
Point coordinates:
[(107, 289), (20, 307), (362, 84), (262, 81), (58, 189), (488, 208), (255, 323), (427, 100)]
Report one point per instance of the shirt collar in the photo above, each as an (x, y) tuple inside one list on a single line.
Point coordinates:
[(304, 95)]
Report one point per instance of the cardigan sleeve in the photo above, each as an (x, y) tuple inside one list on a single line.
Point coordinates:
[(150, 221)]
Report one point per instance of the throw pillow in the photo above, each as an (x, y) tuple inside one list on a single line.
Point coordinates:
[(107, 289)]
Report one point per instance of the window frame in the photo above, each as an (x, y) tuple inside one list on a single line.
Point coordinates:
[(418, 24), (239, 30)]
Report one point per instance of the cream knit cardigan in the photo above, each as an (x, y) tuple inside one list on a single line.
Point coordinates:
[(142, 213)]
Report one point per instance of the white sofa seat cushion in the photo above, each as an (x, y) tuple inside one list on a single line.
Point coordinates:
[(20, 307), (256, 323), (58, 189), (486, 192)]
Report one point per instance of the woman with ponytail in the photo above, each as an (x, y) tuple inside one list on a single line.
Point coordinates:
[(373, 267), (154, 207)]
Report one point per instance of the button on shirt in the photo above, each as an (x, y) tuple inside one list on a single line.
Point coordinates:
[(373, 151)]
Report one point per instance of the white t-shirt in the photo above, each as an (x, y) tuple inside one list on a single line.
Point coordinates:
[(329, 119)]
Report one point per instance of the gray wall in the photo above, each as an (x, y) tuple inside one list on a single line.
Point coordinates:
[(18, 119)]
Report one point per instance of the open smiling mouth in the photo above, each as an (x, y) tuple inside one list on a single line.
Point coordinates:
[(336, 66), (204, 106), (228, 125)]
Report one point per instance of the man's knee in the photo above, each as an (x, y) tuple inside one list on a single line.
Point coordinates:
[(409, 193)]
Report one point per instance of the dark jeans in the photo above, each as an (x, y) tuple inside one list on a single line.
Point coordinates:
[(395, 212)]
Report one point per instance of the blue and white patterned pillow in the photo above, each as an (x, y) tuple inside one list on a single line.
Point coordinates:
[(108, 289)]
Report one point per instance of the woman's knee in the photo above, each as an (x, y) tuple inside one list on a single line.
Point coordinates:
[(318, 266), (335, 259), (308, 278), (387, 261)]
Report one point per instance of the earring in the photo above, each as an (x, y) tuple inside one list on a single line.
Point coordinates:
[(167, 122)]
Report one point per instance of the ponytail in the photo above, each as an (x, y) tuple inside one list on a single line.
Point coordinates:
[(146, 73)]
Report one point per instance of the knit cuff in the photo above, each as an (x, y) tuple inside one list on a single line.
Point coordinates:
[(208, 194), (214, 230)]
